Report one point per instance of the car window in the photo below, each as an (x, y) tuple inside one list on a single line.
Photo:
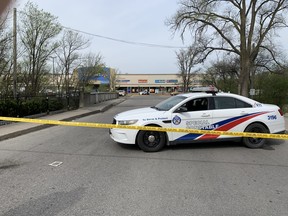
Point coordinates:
[(197, 104), (229, 103), (170, 102), (242, 104)]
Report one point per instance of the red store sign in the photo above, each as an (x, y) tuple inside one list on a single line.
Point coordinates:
[(142, 81)]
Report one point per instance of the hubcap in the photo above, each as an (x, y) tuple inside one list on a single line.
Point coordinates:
[(255, 140), (151, 138)]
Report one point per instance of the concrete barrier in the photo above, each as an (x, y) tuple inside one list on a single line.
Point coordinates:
[(98, 97)]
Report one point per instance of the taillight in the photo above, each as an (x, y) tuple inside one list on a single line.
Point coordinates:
[(280, 111)]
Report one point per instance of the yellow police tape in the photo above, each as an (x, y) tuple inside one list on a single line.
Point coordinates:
[(160, 129)]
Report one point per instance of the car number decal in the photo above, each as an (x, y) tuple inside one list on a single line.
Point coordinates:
[(272, 117)]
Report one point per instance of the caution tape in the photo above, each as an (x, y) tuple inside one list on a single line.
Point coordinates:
[(146, 128)]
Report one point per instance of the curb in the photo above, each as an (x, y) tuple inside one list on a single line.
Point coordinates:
[(25, 131), (41, 127)]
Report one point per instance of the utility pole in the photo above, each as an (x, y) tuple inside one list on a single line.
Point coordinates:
[(53, 72), (15, 53)]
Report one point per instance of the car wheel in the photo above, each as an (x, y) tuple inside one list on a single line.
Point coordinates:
[(253, 142), (151, 141)]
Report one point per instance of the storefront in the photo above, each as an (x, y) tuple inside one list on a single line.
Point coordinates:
[(154, 83)]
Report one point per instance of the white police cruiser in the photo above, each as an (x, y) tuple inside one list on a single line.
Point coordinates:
[(205, 111)]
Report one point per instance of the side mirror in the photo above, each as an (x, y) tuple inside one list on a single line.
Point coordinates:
[(181, 109)]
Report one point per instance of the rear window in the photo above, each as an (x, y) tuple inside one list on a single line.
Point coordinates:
[(229, 103)]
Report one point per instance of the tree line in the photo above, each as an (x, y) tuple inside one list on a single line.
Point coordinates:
[(241, 37), (239, 34), (47, 55)]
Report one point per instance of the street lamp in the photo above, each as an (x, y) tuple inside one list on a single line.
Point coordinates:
[(53, 70)]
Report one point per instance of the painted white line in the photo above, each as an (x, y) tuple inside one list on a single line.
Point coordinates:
[(56, 163)]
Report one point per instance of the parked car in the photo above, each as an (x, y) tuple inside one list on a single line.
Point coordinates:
[(205, 111), (121, 92), (175, 93), (145, 92)]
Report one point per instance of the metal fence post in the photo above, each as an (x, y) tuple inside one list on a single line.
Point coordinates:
[(47, 105)]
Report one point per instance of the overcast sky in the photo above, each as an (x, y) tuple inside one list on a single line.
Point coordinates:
[(129, 20), (135, 21)]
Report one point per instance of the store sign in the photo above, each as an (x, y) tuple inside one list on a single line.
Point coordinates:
[(172, 81), (122, 81), (160, 81), (142, 81)]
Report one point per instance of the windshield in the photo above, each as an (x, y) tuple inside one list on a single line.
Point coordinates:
[(169, 103)]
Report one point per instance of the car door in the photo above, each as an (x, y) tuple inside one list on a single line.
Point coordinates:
[(231, 114), (193, 114)]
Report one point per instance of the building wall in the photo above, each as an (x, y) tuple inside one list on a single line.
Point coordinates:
[(138, 82), (152, 82)]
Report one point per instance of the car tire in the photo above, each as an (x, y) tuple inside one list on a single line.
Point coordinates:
[(151, 141), (252, 142)]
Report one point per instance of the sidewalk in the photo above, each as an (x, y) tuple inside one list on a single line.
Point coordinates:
[(17, 129)]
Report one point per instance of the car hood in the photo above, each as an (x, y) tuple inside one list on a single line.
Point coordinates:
[(138, 113)]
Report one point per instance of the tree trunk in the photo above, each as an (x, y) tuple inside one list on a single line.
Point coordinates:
[(244, 77)]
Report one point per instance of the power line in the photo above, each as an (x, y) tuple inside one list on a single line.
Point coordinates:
[(125, 41), (120, 40)]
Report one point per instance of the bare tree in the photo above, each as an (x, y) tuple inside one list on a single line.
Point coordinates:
[(37, 31), (113, 79), (5, 57), (223, 74), (241, 27), (187, 60), (68, 55), (92, 66)]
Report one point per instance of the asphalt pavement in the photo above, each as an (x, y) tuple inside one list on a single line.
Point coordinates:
[(19, 128)]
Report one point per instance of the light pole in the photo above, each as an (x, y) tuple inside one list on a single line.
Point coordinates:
[(15, 53), (53, 70)]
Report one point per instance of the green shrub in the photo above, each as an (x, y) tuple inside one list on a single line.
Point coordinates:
[(55, 104), (8, 108), (31, 106)]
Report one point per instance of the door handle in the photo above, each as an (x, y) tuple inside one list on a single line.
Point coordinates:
[(205, 115), (243, 113)]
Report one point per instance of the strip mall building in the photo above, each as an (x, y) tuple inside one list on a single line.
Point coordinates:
[(134, 83), (154, 83)]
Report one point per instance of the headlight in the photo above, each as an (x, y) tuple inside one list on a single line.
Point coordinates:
[(127, 122)]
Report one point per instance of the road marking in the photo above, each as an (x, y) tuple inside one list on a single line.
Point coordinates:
[(56, 163)]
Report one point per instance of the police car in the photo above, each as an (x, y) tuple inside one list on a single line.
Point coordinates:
[(205, 111)]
